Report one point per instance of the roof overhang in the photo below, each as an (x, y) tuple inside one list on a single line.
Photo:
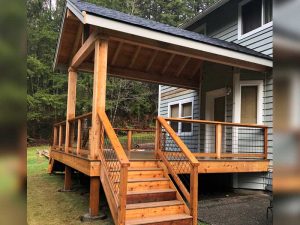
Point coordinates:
[(121, 32)]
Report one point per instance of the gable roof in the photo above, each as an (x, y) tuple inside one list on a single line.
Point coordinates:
[(160, 27)]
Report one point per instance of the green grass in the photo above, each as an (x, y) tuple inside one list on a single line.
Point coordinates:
[(47, 206)]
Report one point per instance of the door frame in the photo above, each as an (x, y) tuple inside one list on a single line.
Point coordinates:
[(210, 110)]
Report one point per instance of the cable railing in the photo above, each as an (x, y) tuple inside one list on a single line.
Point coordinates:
[(178, 159), (212, 139), (136, 140), (115, 166)]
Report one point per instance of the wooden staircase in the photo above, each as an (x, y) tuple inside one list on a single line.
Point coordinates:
[(152, 197)]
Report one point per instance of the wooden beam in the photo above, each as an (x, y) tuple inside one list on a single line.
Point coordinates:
[(116, 54), (183, 65), (94, 196), (78, 40), (196, 70), (138, 49), (193, 53), (71, 16), (168, 64), (71, 105), (85, 50), (78, 137), (151, 60), (152, 78), (99, 94), (194, 194), (84, 165)]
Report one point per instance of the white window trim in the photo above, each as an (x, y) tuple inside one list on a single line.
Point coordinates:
[(180, 103), (201, 27), (262, 27), (260, 99)]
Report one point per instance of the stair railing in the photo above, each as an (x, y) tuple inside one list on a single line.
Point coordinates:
[(178, 158), (114, 169)]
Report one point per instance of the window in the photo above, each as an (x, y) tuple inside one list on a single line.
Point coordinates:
[(182, 109), (254, 15)]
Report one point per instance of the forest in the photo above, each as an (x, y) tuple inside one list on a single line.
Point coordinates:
[(129, 103)]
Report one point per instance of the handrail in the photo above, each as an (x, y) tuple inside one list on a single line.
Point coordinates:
[(216, 122), (59, 123), (115, 166), (191, 196), (178, 141), (83, 116), (122, 157), (134, 129)]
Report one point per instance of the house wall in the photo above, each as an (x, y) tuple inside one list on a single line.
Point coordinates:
[(223, 24)]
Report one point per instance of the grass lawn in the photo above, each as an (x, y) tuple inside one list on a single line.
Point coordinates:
[(47, 206)]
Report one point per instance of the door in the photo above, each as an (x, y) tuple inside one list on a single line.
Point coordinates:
[(219, 109)]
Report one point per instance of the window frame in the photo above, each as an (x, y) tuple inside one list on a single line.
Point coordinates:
[(180, 103), (240, 22)]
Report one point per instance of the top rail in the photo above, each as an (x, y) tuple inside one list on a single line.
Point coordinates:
[(216, 122), (178, 141), (134, 130), (83, 116)]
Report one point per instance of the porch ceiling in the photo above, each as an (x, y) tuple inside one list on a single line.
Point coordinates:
[(146, 55)]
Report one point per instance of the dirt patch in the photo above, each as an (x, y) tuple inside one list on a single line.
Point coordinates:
[(243, 209)]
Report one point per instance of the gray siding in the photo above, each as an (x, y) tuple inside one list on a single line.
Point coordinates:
[(225, 27)]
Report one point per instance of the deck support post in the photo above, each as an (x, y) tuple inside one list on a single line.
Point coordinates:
[(94, 196), (68, 179), (71, 106), (99, 94)]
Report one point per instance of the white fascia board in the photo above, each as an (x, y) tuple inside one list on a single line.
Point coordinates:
[(171, 39), (59, 39), (76, 11)]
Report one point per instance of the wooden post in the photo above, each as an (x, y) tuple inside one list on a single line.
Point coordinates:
[(71, 105), (123, 194), (218, 140), (55, 136), (194, 194), (99, 94), (68, 178), (129, 140), (60, 137), (266, 142), (78, 137), (94, 196), (157, 138)]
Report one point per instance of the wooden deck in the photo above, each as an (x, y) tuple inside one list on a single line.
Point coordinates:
[(209, 165)]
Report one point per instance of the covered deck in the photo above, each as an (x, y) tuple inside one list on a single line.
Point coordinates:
[(105, 42)]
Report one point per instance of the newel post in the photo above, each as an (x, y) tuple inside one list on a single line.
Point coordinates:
[(71, 106), (158, 132)]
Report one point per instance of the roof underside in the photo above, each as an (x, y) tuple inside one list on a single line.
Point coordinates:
[(146, 50)]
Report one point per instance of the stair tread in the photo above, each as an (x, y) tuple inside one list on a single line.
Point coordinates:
[(145, 180), (153, 204), (152, 191), (157, 219)]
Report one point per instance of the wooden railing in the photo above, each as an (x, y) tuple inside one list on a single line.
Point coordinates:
[(136, 139), (114, 170), (59, 130), (212, 139), (184, 160)]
